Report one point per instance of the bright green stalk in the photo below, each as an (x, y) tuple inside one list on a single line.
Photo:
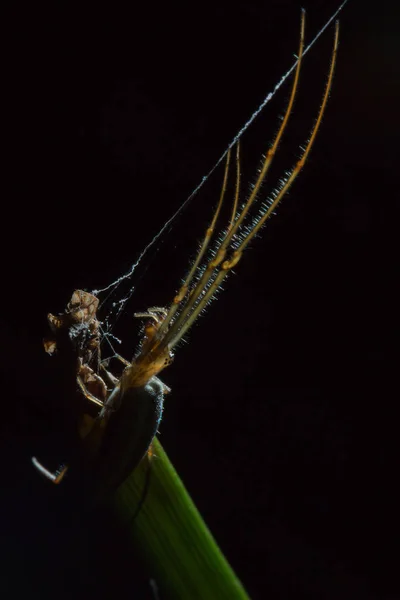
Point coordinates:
[(173, 539)]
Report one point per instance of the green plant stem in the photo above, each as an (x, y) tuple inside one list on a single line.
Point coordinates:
[(171, 535)]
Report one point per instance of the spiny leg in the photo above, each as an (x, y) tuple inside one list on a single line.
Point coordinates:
[(199, 293), (227, 265), (203, 247), (210, 270), (297, 168)]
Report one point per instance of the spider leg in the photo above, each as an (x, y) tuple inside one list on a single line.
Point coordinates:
[(91, 397), (56, 477), (297, 168), (125, 362), (104, 364), (178, 331), (109, 377), (148, 315), (200, 291), (158, 309), (112, 380), (203, 247)]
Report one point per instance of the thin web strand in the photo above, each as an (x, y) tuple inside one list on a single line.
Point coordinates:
[(212, 267), (178, 332), (268, 97)]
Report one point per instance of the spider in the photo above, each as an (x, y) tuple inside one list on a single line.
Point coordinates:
[(131, 406)]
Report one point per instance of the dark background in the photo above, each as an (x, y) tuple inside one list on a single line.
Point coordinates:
[(283, 422)]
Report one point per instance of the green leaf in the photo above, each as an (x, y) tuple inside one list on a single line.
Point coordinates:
[(170, 534)]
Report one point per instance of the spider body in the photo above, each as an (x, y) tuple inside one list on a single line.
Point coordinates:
[(116, 439), (131, 407)]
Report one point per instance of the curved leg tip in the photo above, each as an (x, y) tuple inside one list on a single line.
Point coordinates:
[(56, 477)]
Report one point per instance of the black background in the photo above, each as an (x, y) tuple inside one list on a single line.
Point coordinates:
[(283, 422)]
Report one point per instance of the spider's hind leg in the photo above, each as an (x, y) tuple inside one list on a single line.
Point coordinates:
[(88, 395), (56, 477)]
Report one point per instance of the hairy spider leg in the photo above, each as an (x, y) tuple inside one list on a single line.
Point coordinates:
[(180, 296), (178, 332), (173, 335)]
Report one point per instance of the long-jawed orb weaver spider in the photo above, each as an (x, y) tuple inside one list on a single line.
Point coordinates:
[(78, 328), (131, 406)]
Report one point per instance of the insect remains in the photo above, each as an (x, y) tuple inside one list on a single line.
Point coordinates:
[(129, 408)]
